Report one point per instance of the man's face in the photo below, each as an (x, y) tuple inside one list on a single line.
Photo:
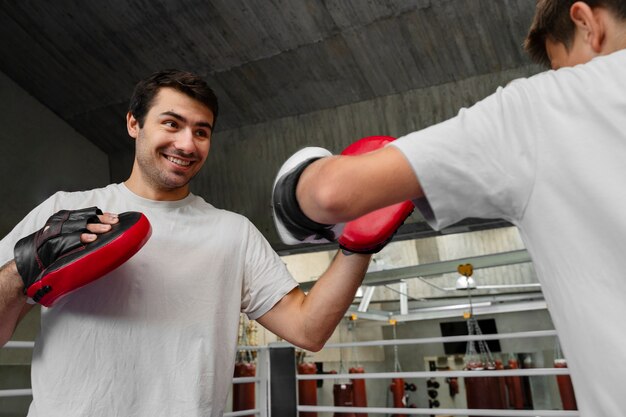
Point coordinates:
[(173, 143), (560, 56)]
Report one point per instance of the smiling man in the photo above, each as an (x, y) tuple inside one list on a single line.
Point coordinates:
[(172, 141), (157, 336)]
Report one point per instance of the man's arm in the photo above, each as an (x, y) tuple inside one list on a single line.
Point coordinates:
[(13, 304), (309, 320), (339, 188)]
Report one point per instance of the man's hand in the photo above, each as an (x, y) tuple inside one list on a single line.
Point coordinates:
[(76, 247), (95, 229)]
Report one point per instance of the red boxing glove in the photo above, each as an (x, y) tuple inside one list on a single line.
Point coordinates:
[(371, 232)]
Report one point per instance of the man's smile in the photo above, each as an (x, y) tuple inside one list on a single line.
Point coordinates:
[(178, 161)]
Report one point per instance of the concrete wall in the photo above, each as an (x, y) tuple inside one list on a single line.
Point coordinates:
[(247, 159), (40, 154)]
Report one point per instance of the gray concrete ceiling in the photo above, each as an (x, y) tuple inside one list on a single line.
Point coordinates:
[(267, 60)]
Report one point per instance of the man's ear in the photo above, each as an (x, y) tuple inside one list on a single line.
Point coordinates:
[(589, 25), (132, 125)]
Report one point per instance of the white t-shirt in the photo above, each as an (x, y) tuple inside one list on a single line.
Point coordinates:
[(158, 335), (548, 154)]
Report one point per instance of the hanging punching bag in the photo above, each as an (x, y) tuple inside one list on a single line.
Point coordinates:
[(502, 381), (397, 390), (359, 390), (514, 386), (343, 397), (307, 390), (566, 389), (483, 392), (243, 394)]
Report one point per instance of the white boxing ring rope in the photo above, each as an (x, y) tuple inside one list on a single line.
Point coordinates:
[(248, 379), (442, 374), (19, 345), (391, 375), (255, 411), (26, 392), (445, 411), (428, 340), (241, 413)]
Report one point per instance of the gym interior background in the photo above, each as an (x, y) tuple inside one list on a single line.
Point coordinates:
[(288, 74)]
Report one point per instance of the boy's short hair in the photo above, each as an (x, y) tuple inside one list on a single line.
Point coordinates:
[(552, 20)]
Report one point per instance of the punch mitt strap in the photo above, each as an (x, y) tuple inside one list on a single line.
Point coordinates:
[(53, 262), (60, 235)]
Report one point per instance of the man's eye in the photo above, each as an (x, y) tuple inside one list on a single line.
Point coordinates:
[(202, 133), (170, 123)]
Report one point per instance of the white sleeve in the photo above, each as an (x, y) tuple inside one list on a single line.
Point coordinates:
[(480, 163), (266, 278)]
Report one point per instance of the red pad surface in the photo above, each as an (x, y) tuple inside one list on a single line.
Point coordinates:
[(94, 260), (370, 232)]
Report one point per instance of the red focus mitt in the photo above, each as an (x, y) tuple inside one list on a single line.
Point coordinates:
[(54, 262), (371, 232)]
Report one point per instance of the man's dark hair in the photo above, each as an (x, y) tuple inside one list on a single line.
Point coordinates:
[(185, 82), (552, 21)]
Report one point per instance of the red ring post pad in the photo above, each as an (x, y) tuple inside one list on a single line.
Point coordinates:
[(371, 232), (93, 260)]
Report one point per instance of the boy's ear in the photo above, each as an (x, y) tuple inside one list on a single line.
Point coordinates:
[(589, 25)]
